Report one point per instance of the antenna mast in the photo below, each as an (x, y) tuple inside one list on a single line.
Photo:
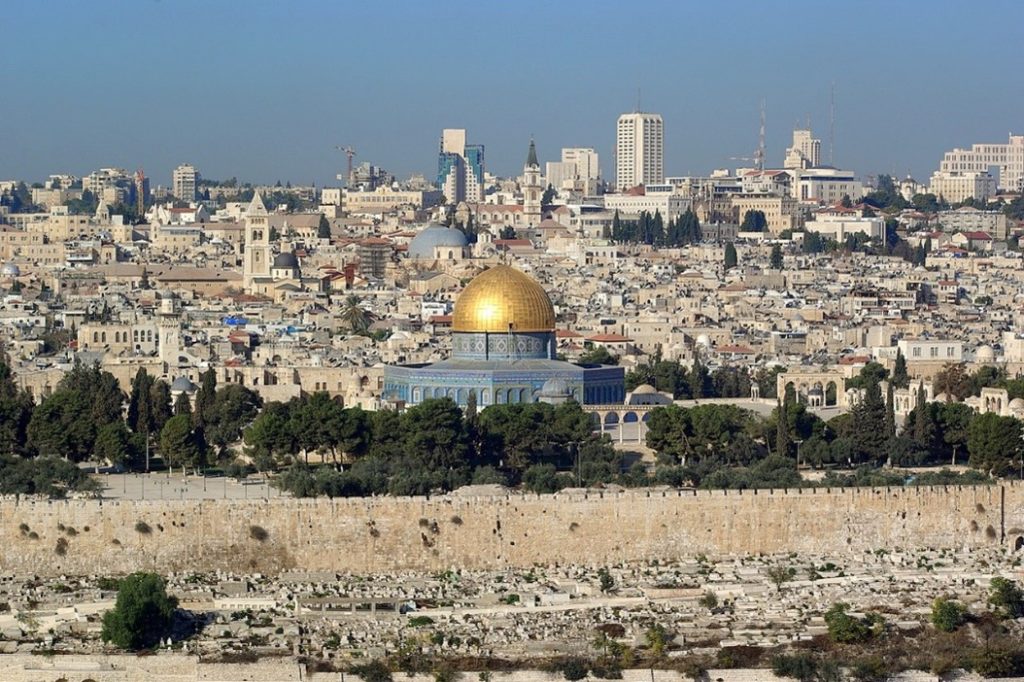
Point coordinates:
[(759, 154), (832, 127)]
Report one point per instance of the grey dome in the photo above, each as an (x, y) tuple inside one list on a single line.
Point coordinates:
[(286, 260), (434, 235), (10, 270), (555, 388), (182, 384)]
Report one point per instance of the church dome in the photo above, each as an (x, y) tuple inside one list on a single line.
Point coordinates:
[(503, 299), (985, 354), (433, 236), (286, 260)]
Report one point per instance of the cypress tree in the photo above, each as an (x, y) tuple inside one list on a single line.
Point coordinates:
[(890, 413), (782, 428), (730, 256)]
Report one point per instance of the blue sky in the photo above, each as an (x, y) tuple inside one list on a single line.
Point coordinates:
[(265, 90)]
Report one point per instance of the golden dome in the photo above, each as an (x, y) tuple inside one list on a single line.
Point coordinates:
[(503, 299)]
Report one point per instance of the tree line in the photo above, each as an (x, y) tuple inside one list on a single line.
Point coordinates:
[(651, 229)]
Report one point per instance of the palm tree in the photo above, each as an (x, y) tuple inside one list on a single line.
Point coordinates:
[(355, 316)]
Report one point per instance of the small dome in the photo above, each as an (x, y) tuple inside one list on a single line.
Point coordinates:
[(182, 385), (644, 388), (816, 391), (985, 354), (555, 387), (942, 398), (286, 260), (10, 270), (1016, 404), (704, 340), (434, 235)]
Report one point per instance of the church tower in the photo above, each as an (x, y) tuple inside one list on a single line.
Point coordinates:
[(532, 190), (256, 252)]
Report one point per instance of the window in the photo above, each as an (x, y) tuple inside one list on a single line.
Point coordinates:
[(917, 352)]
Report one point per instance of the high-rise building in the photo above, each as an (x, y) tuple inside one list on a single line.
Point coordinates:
[(639, 150), (805, 152), (586, 160), (460, 167), (1008, 158), (184, 181)]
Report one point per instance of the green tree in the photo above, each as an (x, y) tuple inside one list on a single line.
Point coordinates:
[(870, 437), (754, 221), (323, 230), (993, 443), (900, 378), (181, 444), (775, 260), (206, 397), (142, 615), (271, 437), (844, 628), (140, 402), (1006, 597), (183, 405), (16, 408), (598, 355), (782, 428), (953, 380), (114, 444), (354, 315), (730, 256), (549, 195), (233, 408), (947, 614)]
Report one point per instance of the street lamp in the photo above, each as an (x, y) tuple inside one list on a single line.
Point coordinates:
[(797, 441)]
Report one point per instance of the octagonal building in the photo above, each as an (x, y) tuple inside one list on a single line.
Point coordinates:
[(503, 351)]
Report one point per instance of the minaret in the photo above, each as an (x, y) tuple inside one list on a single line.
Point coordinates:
[(532, 190), (256, 252)]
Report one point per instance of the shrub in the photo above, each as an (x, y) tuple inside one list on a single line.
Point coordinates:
[(420, 621), (947, 615), (709, 600), (258, 533), (374, 671), (802, 666), (574, 669), (844, 628), (62, 547), (1006, 597), (143, 527)]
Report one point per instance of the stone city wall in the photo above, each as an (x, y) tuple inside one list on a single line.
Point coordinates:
[(171, 667), (364, 535)]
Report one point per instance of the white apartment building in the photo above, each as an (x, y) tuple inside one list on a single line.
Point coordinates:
[(970, 219), (184, 181), (827, 185), (640, 150), (805, 152), (956, 186), (669, 204), (1008, 158), (840, 226), (938, 350)]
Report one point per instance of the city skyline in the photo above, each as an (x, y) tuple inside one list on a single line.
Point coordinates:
[(272, 97)]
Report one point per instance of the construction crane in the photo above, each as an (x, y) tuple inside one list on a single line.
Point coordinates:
[(350, 153)]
